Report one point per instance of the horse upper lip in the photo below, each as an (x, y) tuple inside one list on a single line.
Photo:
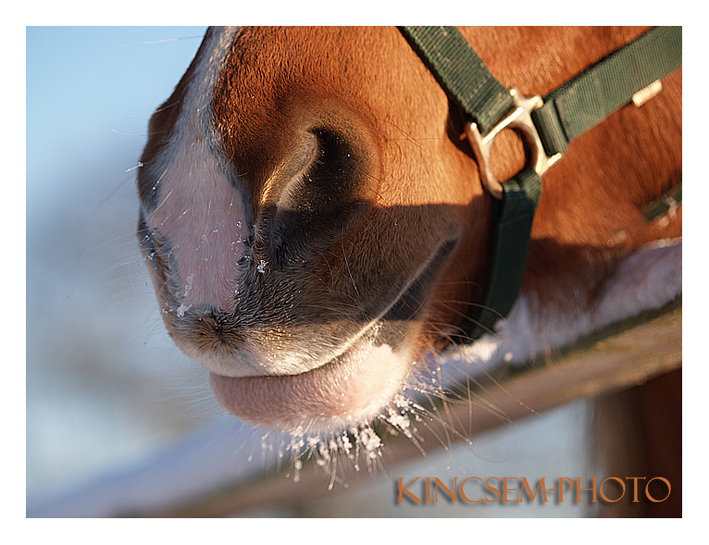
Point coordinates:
[(403, 310)]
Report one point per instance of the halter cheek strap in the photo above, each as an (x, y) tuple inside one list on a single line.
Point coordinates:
[(631, 74)]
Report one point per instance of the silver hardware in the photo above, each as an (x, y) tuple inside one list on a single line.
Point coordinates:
[(519, 119)]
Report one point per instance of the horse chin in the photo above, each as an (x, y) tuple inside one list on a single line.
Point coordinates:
[(351, 389)]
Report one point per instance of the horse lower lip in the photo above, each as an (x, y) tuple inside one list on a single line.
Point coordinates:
[(350, 389)]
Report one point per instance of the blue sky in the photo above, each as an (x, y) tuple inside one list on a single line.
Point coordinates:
[(89, 87)]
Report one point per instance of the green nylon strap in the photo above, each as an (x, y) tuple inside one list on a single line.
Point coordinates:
[(593, 95), (461, 73), (464, 76), (512, 221)]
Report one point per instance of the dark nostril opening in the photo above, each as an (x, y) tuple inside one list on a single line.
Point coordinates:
[(322, 203), (332, 175)]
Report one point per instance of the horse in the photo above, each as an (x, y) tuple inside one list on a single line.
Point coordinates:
[(316, 223)]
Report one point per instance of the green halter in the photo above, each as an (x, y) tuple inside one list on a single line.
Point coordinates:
[(547, 126)]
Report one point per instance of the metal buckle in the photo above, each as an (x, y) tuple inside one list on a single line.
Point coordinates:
[(520, 120)]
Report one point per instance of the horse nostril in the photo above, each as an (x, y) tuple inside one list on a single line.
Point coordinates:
[(323, 201)]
